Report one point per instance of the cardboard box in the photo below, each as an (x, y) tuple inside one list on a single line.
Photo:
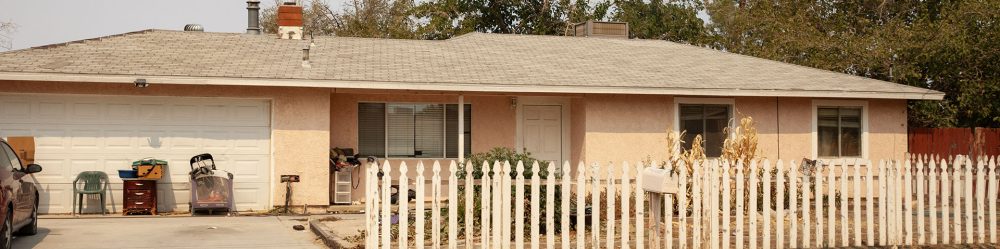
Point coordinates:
[(24, 147)]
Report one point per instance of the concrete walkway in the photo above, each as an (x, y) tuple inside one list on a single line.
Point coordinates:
[(170, 232)]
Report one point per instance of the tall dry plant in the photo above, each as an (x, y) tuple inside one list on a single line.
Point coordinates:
[(741, 143), (676, 154)]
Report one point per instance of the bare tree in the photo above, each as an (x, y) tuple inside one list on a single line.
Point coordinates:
[(7, 28)]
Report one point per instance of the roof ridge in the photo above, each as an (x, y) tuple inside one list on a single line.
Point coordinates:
[(62, 44)]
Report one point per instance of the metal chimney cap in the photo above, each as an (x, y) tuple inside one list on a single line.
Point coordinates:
[(194, 27)]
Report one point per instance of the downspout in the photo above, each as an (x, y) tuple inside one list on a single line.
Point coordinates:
[(461, 128)]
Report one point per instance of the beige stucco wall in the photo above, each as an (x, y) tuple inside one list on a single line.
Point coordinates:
[(621, 128), (300, 125), (632, 127), (493, 125)]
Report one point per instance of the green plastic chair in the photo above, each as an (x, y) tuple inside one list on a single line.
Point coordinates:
[(94, 183)]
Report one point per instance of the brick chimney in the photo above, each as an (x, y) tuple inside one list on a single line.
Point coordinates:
[(290, 21)]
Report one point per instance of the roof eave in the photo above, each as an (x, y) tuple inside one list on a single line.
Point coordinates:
[(464, 87)]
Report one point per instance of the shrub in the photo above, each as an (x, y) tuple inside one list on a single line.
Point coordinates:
[(503, 154)]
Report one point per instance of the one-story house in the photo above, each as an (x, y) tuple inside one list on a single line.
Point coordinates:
[(268, 106)]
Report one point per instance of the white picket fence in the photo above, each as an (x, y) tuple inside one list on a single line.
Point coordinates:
[(920, 201)]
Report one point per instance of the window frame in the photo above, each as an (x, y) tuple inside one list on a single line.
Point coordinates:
[(678, 101), (816, 104), (444, 127)]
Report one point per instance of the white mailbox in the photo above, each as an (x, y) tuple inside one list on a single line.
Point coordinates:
[(658, 181)]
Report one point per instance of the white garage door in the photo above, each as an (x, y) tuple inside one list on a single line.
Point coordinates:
[(75, 133)]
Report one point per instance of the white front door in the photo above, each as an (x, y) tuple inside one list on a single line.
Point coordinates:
[(542, 132), (75, 133)]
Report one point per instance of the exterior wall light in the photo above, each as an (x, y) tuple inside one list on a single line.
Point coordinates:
[(141, 83)]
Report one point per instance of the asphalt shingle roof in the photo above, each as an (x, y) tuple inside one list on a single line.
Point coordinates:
[(476, 58)]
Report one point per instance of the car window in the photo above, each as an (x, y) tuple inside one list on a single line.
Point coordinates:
[(4, 159), (11, 156)]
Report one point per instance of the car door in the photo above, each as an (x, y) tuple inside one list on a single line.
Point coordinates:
[(23, 196), (7, 185)]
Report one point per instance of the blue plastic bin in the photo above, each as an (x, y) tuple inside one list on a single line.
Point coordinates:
[(128, 173)]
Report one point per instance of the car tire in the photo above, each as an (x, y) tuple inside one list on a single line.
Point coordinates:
[(31, 228), (6, 232)]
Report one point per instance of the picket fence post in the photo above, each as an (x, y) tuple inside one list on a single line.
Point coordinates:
[(818, 200), (404, 207), (550, 206), (418, 230), (536, 206), (795, 187), (626, 191), (640, 209), (716, 173), (992, 199), (452, 204), (698, 197), (668, 206), (581, 206), (595, 201), (932, 199), (565, 199), (856, 186), (908, 199), (981, 183), (519, 206), (870, 203), (371, 206), (726, 203), (831, 206), (485, 197), (498, 206), (921, 211), (842, 198), (947, 178), (768, 214), (386, 208), (780, 207), (740, 189), (436, 206), (609, 238), (684, 183), (470, 189)]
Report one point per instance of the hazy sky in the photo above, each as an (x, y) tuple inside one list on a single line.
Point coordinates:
[(42, 22)]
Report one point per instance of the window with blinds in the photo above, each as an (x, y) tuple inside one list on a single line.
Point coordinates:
[(839, 131), (411, 130), (709, 121)]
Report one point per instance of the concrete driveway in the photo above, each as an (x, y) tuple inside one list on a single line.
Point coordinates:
[(170, 232)]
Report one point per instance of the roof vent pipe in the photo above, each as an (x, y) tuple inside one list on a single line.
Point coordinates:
[(194, 28), (305, 57), (253, 17)]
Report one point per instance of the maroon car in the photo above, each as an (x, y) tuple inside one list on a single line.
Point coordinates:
[(18, 196)]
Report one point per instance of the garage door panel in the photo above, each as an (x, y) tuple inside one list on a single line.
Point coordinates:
[(145, 110), (16, 109), (54, 198), (51, 111), (107, 133), (86, 111), (120, 112), (153, 112)]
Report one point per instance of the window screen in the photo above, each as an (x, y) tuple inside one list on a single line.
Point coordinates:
[(709, 121), (838, 131), (411, 130)]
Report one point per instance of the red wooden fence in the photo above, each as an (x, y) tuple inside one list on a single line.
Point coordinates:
[(954, 141)]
